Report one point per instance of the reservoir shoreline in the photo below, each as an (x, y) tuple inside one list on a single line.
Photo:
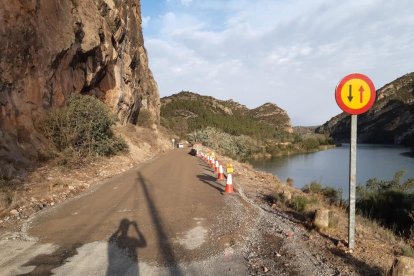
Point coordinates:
[(330, 167)]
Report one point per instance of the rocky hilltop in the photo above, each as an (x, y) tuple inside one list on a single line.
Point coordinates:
[(390, 120), (199, 111), (275, 116), (51, 49)]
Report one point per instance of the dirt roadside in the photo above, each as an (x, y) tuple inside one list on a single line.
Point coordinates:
[(52, 184)]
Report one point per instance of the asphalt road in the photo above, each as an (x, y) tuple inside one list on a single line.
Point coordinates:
[(166, 217)]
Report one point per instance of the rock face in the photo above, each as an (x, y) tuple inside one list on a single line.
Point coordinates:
[(272, 114), (390, 120), (51, 49)]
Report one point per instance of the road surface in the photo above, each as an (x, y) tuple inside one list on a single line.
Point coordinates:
[(166, 217)]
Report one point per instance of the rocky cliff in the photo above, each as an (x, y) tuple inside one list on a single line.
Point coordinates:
[(50, 49), (390, 120)]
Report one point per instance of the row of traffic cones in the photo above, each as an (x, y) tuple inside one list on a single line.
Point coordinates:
[(218, 168)]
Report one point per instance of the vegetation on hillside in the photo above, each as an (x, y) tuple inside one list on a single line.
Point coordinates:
[(237, 147), (234, 130), (82, 128), (243, 147), (186, 116), (390, 202)]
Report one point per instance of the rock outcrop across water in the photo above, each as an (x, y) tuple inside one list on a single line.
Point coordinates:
[(389, 121)]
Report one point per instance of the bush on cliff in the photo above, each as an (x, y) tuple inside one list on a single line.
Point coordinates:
[(83, 126)]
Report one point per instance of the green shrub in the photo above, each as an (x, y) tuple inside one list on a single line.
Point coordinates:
[(313, 187), (407, 251), (299, 203), (279, 197), (310, 144), (332, 195), (390, 202), (237, 147), (83, 126)]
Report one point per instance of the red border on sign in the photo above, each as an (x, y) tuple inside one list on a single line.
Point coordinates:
[(341, 85)]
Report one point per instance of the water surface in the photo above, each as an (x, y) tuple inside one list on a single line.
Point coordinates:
[(331, 167)]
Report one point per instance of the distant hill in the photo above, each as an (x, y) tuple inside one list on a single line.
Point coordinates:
[(186, 112), (389, 121), (272, 115)]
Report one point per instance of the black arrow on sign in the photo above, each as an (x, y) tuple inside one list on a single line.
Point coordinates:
[(350, 93)]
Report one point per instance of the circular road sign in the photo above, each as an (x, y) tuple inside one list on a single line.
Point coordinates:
[(355, 94)]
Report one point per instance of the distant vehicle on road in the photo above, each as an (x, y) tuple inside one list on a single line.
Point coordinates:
[(196, 148), (180, 145)]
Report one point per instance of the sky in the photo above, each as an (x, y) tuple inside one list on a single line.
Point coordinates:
[(289, 52)]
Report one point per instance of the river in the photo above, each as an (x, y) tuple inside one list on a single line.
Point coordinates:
[(330, 167)]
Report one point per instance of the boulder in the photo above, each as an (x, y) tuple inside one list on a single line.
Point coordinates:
[(287, 195), (402, 266), (321, 220), (14, 212)]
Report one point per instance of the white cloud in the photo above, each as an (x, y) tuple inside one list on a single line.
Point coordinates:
[(292, 53), (186, 2), (145, 21)]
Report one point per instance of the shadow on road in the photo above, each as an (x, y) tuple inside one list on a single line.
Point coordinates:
[(164, 244), (360, 266), (211, 181), (45, 263), (408, 154), (122, 249), (205, 166)]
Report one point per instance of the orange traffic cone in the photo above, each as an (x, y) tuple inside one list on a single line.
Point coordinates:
[(216, 167), (212, 163), (220, 175), (229, 184)]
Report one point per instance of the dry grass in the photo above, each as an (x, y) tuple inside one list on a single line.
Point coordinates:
[(6, 196)]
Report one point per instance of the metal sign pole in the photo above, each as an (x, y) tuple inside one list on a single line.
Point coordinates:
[(352, 182), (354, 104)]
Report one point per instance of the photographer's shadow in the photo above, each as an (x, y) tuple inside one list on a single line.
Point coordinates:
[(122, 249)]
